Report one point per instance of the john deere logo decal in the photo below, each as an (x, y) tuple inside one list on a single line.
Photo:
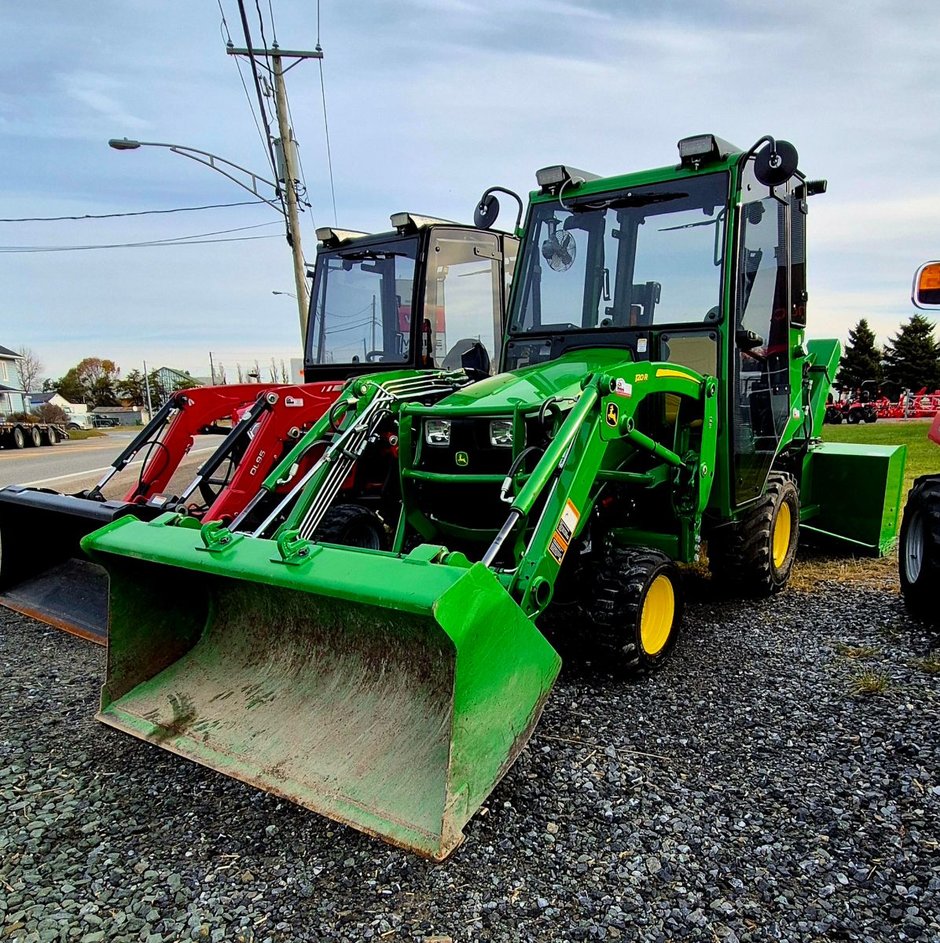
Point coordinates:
[(613, 414), (462, 459)]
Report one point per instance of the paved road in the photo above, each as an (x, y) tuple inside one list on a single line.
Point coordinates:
[(74, 465)]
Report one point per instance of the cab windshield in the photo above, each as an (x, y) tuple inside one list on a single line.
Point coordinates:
[(361, 305), (632, 258)]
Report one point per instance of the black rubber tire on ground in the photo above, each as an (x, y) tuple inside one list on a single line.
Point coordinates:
[(754, 557), (636, 603), (18, 438), (853, 417), (352, 526), (52, 437), (35, 437), (871, 417), (919, 549)]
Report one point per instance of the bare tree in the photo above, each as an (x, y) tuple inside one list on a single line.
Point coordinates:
[(29, 368), (278, 373)]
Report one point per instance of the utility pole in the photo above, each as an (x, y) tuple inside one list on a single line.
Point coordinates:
[(147, 388), (211, 368), (288, 153)]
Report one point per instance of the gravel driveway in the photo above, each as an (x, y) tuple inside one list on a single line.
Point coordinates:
[(744, 792)]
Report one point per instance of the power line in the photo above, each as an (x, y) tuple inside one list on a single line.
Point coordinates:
[(273, 27), (174, 240), (227, 36), (329, 152), (326, 126), (177, 209), (13, 250), (254, 73)]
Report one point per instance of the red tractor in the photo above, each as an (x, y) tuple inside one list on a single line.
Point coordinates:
[(364, 292)]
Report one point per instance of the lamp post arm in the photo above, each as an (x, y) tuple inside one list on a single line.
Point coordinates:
[(213, 162)]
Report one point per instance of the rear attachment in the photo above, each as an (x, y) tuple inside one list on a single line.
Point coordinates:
[(851, 495)]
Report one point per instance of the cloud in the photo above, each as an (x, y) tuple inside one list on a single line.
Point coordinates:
[(97, 92)]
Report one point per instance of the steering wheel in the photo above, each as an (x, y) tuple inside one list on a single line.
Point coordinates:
[(375, 356)]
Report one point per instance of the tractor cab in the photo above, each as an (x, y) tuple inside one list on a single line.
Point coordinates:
[(375, 307)]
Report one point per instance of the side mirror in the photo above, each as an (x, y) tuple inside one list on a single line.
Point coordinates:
[(486, 212), (926, 291), (775, 163), (487, 209)]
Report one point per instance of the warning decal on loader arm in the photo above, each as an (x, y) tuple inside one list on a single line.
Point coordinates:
[(558, 546)]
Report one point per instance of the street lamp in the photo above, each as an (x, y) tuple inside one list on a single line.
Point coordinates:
[(227, 169), (289, 294)]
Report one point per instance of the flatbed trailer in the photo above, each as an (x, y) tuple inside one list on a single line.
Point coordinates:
[(18, 434)]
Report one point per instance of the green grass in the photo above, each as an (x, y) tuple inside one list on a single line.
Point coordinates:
[(76, 434), (923, 456), (869, 682), (855, 651)]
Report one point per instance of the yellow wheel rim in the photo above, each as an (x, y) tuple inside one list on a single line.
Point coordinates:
[(658, 615), (781, 537)]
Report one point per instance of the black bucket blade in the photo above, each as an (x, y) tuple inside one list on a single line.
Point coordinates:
[(43, 571)]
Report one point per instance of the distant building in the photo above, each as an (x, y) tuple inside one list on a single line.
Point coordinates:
[(56, 399), (8, 373), (169, 380), (12, 397)]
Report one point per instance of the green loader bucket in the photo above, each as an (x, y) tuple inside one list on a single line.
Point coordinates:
[(387, 693)]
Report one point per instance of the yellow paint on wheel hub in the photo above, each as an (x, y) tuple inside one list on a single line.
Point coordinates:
[(781, 536), (658, 615)]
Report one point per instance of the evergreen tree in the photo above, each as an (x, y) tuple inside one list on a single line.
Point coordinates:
[(912, 359), (861, 360)]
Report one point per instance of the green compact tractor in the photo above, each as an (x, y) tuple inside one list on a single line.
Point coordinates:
[(656, 393)]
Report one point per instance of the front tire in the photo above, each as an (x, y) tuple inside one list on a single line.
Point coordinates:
[(636, 606), (352, 526), (754, 556), (919, 549)]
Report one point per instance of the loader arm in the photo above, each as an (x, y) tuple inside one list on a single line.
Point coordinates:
[(591, 449), (193, 411)]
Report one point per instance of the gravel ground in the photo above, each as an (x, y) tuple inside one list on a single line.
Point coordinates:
[(747, 792)]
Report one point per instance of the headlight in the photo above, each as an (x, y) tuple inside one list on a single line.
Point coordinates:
[(437, 431), (501, 433)]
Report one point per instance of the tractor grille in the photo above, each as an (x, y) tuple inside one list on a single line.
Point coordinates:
[(465, 504)]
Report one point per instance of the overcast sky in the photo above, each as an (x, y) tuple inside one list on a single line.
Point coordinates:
[(429, 102)]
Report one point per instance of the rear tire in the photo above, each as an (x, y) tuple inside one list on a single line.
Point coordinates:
[(754, 557), (919, 549), (636, 606), (35, 437), (18, 438), (52, 437), (352, 526)]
